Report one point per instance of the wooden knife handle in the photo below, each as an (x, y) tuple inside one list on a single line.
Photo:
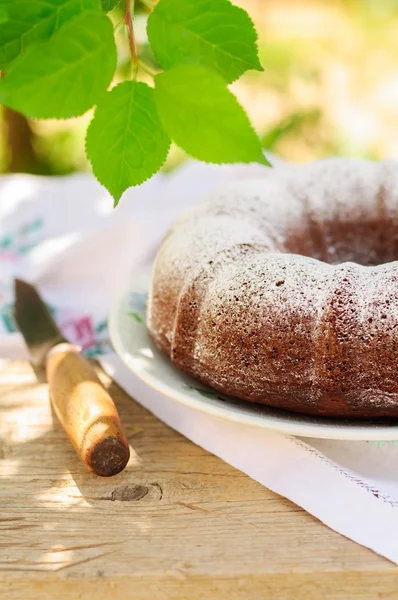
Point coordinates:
[(86, 411)]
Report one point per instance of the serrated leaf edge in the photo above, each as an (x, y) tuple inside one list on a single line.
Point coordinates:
[(117, 197), (265, 160), (258, 68), (71, 115)]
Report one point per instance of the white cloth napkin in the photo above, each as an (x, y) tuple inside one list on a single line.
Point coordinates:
[(63, 235)]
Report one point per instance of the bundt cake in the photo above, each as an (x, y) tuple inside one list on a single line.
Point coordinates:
[(284, 290)]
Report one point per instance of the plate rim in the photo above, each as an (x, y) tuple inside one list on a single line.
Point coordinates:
[(300, 425)]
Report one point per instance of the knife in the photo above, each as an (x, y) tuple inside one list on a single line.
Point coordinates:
[(81, 403)]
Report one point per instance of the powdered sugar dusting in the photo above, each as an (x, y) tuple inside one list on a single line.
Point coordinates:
[(240, 301)]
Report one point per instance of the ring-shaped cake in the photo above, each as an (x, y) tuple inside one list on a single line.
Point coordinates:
[(284, 290)]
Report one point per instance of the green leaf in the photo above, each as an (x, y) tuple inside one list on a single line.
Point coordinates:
[(212, 33), (107, 5), (204, 118), (125, 141), (136, 316), (66, 75), (29, 22), (293, 123)]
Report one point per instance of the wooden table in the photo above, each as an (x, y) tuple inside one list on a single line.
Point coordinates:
[(178, 523)]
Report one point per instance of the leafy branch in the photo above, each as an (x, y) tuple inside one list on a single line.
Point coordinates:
[(60, 59)]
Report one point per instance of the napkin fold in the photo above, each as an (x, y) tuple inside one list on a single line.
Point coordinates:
[(63, 235)]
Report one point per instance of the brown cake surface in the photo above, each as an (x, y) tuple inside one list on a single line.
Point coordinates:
[(284, 290)]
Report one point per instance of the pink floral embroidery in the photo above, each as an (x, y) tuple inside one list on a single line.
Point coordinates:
[(8, 256), (80, 330), (22, 240)]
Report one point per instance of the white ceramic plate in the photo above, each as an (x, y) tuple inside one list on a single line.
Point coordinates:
[(136, 349)]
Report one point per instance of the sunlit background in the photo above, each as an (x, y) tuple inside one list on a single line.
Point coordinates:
[(329, 86)]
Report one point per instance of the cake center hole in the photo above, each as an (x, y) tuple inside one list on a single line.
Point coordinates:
[(367, 242)]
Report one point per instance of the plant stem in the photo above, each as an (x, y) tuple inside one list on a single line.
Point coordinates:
[(128, 19), (145, 67)]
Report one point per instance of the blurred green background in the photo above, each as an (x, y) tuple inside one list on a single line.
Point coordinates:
[(329, 86)]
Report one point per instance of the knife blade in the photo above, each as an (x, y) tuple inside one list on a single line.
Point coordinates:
[(81, 403)]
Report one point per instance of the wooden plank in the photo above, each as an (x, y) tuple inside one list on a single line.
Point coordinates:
[(177, 523)]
